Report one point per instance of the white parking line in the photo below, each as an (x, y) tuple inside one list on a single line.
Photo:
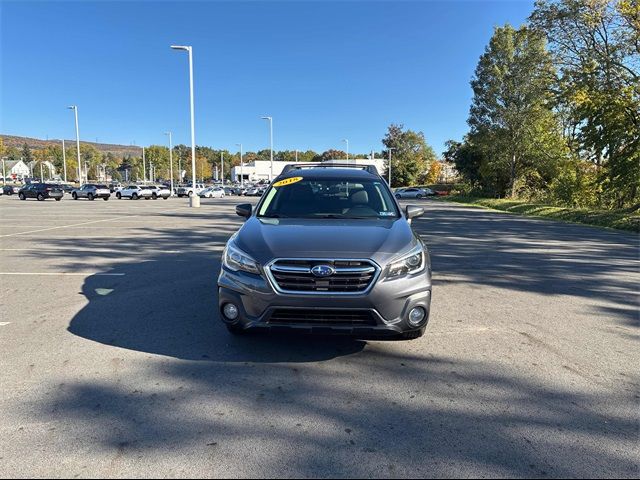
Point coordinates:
[(69, 274), (64, 226)]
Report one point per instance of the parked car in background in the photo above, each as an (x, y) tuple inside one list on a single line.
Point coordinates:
[(115, 186), (41, 191), (10, 189), (158, 191), (133, 192), (414, 192), (188, 190), (212, 192), (91, 191), (66, 188)]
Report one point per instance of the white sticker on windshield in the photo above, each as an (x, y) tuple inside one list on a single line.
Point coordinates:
[(387, 214)]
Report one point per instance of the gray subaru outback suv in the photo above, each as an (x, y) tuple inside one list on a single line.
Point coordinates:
[(327, 250)]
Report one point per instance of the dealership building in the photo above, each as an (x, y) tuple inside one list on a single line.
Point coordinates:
[(261, 169)]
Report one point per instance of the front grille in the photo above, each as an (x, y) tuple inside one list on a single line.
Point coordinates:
[(294, 316), (349, 277)]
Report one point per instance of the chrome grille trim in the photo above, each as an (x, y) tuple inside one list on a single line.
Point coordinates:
[(373, 269)]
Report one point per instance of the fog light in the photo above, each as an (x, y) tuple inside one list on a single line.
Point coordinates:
[(230, 311), (416, 316)]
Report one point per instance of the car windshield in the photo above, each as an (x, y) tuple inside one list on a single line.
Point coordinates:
[(328, 198)]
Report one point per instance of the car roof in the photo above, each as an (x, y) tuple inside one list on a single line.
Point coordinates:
[(330, 172)]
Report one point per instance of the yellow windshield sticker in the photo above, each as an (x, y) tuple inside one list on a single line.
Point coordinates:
[(287, 181)]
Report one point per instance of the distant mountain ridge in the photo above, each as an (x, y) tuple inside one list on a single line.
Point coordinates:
[(37, 143)]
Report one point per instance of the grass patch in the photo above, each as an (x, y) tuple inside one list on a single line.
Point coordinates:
[(626, 219)]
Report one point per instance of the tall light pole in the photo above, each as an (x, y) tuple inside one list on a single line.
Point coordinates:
[(194, 199), (390, 165), (296, 156), (347, 142), (170, 161), (64, 161), (144, 167), (4, 172), (222, 167), (75, 110), (270, 143), (241, 166)]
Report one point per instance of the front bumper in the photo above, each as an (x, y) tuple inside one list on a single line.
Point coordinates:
[(388, 303)]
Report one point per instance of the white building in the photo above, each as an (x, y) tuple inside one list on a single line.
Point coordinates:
[(15, 169), (260, 169)]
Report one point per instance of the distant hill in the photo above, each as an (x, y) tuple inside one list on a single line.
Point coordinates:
[(36, 143)]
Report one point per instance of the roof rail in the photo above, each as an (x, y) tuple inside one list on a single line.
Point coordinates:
[(299, 166)]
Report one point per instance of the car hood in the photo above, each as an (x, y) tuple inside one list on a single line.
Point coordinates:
[(269, 238)]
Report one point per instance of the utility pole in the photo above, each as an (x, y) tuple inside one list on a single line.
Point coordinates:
[(222, 167), (144, 168)]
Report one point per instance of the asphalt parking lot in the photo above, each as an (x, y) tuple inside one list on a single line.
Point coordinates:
[(114, 363)]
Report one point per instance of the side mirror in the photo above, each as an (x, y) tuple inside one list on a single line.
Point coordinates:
[(414, 211), (244, 210)]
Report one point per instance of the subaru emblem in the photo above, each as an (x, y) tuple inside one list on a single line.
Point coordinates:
[(323, 270)]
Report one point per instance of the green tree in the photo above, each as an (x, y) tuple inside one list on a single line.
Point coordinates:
[(597, 49), (411, 155), (27, 156), (511, 116)]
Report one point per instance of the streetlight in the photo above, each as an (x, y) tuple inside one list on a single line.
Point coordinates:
[(296, 156), (64, 161), (390, 165), (347, 142), (75, 110), (270, 143), (222, 167), (241, 166), (170, 160), (194, 199), (144, 167)]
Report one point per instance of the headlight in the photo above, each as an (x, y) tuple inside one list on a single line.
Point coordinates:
[(235, 259), (412, 262)]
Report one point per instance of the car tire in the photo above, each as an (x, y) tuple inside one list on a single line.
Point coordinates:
[(191, 194), (419, 196), (134, 196), (118, 195), (58, 199), (236, 330), (40, 197), (74, 195), (21, 196), (90, 196), (105, 198), (164, 198)]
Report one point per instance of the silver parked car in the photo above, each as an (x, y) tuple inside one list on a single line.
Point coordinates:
[(414, 192), (311, 258), (91, 191)]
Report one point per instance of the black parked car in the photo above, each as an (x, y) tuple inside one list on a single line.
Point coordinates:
[(10, 189), (41, 191)]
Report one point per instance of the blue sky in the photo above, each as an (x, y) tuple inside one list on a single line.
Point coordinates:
[(324, 70)]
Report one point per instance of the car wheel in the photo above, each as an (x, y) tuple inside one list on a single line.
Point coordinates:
[(74, 195), (118, 195), (40, 197), (191, 194), (90, 196), (419, 196), (134, 196), (58, 199), (105, 198), (164, 198), (236, 330), (21, 196)]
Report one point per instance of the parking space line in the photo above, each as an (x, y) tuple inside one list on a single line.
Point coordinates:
[(64, 226)]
